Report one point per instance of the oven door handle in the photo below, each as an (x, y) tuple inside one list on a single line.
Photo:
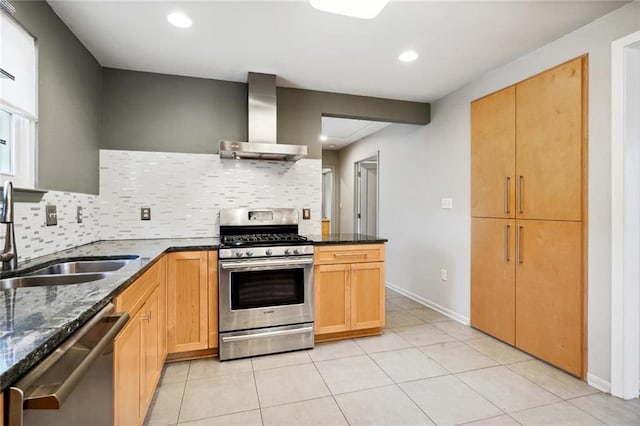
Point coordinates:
[(248, 266), (262, 335)]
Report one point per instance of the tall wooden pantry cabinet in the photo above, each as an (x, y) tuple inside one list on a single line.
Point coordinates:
[(528, 207)]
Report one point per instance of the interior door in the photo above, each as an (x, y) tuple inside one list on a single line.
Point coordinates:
[(366, 214)]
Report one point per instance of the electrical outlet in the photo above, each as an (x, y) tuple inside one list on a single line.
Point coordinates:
[(51, 215), (443, 274), (79, 214), (145, 213), (306, 214)]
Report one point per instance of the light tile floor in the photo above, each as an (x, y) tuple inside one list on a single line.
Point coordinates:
[(425, 369)]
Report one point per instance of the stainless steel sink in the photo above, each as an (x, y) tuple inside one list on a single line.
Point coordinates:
[(49, 280), (83, 266)]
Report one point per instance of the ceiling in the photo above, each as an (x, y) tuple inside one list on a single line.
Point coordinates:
[(341, 132), (457, 41)]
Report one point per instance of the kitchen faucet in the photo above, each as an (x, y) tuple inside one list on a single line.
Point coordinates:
[(9, 256)]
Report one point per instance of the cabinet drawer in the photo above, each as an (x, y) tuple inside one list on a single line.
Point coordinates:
[(132, 299), (349, 254)]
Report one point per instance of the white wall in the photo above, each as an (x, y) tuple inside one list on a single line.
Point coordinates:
[(420, 166)]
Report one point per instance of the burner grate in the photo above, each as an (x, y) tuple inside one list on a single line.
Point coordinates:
[(262, 238)]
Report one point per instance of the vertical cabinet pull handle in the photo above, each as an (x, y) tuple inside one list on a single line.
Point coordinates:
[(519, 245), (506, 243), (506, 194), (519, 194)]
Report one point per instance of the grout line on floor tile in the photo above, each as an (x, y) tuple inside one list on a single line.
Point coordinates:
[(330, 392), (184, 391)]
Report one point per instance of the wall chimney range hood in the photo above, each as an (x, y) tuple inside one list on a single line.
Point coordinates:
[(262, 122)]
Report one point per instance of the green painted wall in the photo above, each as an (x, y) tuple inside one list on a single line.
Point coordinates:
[(157, 112), (69, 86), (144, 111), (300, 114)]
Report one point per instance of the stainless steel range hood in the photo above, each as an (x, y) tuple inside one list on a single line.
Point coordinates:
[(263, 116)]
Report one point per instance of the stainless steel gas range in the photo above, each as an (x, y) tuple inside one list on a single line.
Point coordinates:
[(265, 283)]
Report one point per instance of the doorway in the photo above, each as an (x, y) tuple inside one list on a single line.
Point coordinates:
[(328, 197), (366, 192), (625, 210)]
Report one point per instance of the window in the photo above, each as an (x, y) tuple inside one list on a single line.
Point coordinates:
[(17, 149), (18, 104)]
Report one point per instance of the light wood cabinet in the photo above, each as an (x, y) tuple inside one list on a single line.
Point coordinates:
[(332, 298), (549, 292), (528, 206), (187, 301), (493, 152), (127, 372), (550, 142), (367, 295), (162, 310), (150, 348), (493, 277), (138, 354), (348, 288)]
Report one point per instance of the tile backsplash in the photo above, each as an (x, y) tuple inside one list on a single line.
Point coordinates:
[(185, 192), (34, 238)]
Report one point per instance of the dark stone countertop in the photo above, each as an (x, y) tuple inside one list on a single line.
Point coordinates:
[(45, 316), (339, 239)]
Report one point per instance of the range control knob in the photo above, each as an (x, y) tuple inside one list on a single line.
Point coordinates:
[(296, 251), (238, 254), (269, 252), (249, 253), (287, 252)]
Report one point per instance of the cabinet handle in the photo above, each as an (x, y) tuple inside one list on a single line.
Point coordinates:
[(506, 243), (507, 180), (350, 254), (519, 194), (518, 245)]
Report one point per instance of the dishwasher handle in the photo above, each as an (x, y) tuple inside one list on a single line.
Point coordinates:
[(28, 393)]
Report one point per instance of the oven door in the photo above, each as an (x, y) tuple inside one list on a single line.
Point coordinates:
[(265, 292)]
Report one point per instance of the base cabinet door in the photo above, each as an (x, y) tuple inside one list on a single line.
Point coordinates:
[(187, 302), (493, 277), (367, 295), (150, 348), (127, 368), (549, 293), (332, 301)]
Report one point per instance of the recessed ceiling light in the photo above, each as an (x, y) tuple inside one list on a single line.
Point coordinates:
[(364, 9), (333, 145), (408, 56), (323, 138), (179, 20)]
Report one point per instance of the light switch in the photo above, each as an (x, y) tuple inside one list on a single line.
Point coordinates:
[(443, 274), (447, 203), (306, 214)]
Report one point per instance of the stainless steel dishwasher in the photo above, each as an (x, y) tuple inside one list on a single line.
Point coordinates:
[(73, 386)]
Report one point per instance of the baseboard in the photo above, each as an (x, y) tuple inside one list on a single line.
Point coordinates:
[(598, 383), (430, 304)]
